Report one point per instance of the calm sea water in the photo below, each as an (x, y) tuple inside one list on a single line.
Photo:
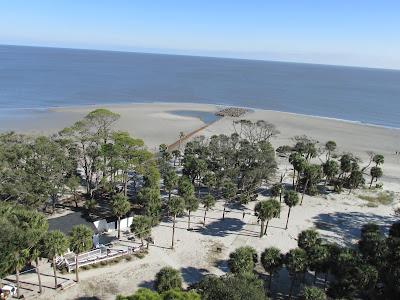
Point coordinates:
[(39, 78)]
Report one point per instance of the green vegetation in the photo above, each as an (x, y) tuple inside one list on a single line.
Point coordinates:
[(168, 278), (120, 206), (80, 241), (265, 211), (384, 198), (242, 260), (116, 169)]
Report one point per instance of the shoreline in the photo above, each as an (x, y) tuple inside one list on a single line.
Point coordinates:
[(157, 124), (217, 105)]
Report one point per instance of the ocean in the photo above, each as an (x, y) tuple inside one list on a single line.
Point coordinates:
[(34, 79)]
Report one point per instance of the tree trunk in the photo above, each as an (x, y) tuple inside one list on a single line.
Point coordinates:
[(297, 181), (38, 275), (75, 199), (141, 240), (76, 268), (262, 229), (119, 227), (370, 184), (287, 221), (189, 220), (204, 219), (315, 277), (55, 272), (223, 214), (173, 233), (266, 227), (18, 284), (294, 175), (270, 281), (304, 190), (169, 195)]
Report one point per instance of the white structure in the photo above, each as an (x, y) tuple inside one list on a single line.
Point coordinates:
[(104, 226), (102, 253)]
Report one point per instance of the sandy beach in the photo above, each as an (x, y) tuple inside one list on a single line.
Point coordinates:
[(156, 123), (338, 217)]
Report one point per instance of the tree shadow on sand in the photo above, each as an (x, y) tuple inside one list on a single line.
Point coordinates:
[(193, 275), (344, 227), (148, 284), (225, 227), (222, 264)]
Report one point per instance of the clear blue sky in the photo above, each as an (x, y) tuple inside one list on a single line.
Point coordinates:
[(346, 32)]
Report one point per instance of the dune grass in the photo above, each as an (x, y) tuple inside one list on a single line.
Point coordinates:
[(381, 198)]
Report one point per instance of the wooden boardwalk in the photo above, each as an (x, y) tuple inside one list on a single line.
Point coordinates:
[(175, 145)]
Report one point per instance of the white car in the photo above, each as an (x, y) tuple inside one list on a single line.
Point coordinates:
[(9, 289)]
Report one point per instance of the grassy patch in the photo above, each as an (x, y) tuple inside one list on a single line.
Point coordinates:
[(383, 198), (140, 254)]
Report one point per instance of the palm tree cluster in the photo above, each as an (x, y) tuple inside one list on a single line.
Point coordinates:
[(227, 167), (339, 171), (26, 239), (371, 270), (37, 172)]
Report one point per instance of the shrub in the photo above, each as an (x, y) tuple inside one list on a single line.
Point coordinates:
[(168, 278)]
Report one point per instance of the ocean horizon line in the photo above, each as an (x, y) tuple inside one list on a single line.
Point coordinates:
[(270, 60)]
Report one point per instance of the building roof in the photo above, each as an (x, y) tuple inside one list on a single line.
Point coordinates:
[(65, 223)]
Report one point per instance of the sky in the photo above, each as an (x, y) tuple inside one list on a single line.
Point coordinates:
[(341, 32)]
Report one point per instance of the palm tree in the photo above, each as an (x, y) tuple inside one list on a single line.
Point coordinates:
[(34, 255), (176, 206), (170, 181), (330, 169), (308, 239), (81, 240), (191, 204), (120, 206), (265, 211), (31, 228), (276, 190), (312, 173), (176, 154), (18, 260), (319, 257), (55, 244), (228, 191), (296, 263), (272, 261), (330, 146), (208, 203), (291, 199), (378, 159), (375, 172), (141, 227)]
